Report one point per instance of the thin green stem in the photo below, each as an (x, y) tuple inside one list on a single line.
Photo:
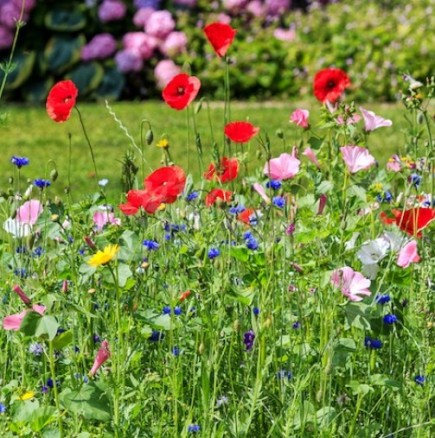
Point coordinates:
[(55, 391)]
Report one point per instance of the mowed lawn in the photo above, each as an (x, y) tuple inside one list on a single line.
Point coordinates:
[(30, 133)]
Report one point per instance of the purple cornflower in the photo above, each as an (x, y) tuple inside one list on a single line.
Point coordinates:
[(283, 374), (19, 161), (278, 201), (3, 408), (156, 336), (237, 209), (192, 196), (177, 310), (175, 351), (256, 311), (193, 428), (166, 310), (390, 319), (248, 339), (213, 253), (415, 180), (373, 344), (296, 325), (36, 349)]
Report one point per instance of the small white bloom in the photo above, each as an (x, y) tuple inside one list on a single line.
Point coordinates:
[(16, 228), (350, 244), (103, 182), (373, 251)]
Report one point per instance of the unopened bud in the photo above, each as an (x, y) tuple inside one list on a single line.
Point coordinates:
[(279, 133), (64, 286), (201, 348), (23, 297), (149, 137), (89, 242), (54, 175)]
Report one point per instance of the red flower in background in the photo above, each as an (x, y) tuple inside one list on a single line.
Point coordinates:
[(411, 221), (137, 199), (329, 84), (226, 171), (167, 182), (61, 100), (181, 90), (240, 132), (220, 36), (246, 215), (215, 194)]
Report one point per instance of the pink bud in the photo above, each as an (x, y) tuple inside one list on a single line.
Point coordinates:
[(24, 298), (300, 118), (64, 286), (102, 355), (322, 203)]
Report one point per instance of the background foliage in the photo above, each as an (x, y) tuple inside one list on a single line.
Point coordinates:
[(277, 50)]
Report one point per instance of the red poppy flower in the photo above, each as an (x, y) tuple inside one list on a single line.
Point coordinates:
[(184, 295), (61, 100), (246, 215), (167, 182), (220, 36), (137, 199), (181, 90), (329, 84), (240, 132), (226, 171), (411, 221), (215, 194)]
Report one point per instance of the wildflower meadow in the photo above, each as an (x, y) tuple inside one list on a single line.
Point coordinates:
[(289, 299)]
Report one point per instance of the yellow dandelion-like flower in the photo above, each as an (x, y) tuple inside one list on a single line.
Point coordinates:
[(163, 143), (103, 257), (28, 395)]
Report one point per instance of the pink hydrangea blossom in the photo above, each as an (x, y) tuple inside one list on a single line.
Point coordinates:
[(187, 3), (174, 44), (140, 43), (285, 34), (408, 254), (100, 47), (164, 71), (29, 212), (300, 118), (284, 167), (256, 8), (13, 322), (351, 283), (6, 37), (111, 10), (357, 158), (10, 14), (372, 121), (160, 24), (277, 7), (141, 17), (102, 355), (128, 61)]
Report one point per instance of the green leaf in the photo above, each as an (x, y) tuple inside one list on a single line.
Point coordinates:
[(87, 77), (111, 85), (65, 20), (25, 411), (163, 322), (325, 187), (63, 52), (124, 273), (356, 315), (240, 253), (24, 62), (37, 325), (62, 340), (88, 401), (43, 417)]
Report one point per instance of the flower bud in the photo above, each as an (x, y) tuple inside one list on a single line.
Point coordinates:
[(149, 137), (53, 175)]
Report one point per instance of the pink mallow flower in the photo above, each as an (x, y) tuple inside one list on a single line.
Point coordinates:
[(102, 355), (311, 155), (174, 44), (300, 117), (408, 254), (164, 71), (29, 212), (372, 121), (284, 167), (100, 47), (394, 164), (351, 283), (13, 322), (111, 10), (353, 120), (160, 24), (357, 158), (103, 217)]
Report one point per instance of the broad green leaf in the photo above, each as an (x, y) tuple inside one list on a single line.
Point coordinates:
[(62, 340), (65, 20)]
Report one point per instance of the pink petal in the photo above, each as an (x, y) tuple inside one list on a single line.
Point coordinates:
[(29, 212), (357, 158), (311, 155), (284, 167), (260, 190), (372, 121), (408, 254), (13, 322), (102, 355)]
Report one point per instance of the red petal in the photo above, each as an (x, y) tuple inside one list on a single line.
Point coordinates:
[(329, 84), (216, 194), (181, 90), (241, 132), (220, 36), (61, 100), (413, 221)]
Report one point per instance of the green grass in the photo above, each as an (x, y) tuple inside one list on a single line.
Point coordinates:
[(29, 132)]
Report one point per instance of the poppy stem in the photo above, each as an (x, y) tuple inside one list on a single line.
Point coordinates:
[(85, 132)]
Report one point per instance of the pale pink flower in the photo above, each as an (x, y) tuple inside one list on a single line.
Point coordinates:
[(284, 167), (311, 155), (102, 355), (103, 217), (349, 121), (260, 190), (256, 8), (372, 121), (13, 322), (300, 118), (174, 44), (408, 254), (140, 43), (394, 164), (164, 71), (29, 212), (352, 283), (285, 34), (357, 158), (160, 24), (141, 17)]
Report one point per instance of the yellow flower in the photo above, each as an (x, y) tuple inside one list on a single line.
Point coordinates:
[(103, 257), (163, 143), (28, 395)]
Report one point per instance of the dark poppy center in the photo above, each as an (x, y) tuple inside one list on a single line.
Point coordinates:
[(67, 99), (180, 91), (330, 84)]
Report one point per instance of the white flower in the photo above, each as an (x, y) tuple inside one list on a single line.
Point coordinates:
[(16, 228), (373, 251)]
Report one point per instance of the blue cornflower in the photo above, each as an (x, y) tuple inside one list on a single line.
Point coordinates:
[(192, 196), (96, 338), (253, 220), (151, 245), (20, 272), (38, 251), (193, 428), (41, 183), (247, 235), (419, 380), (383, 299), (373, 344), (213, 253), (415, 180), (177, 310), (21, 250), (2, 408), (166, 310), (19, 161), (282, 374), (36, 349), (255, 310), (156, 336), (175, 351), (252, 243), (390, 319), (278, 201), (237, 209), (248, 339), (273, 184), (50, 382), (296, 325)]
